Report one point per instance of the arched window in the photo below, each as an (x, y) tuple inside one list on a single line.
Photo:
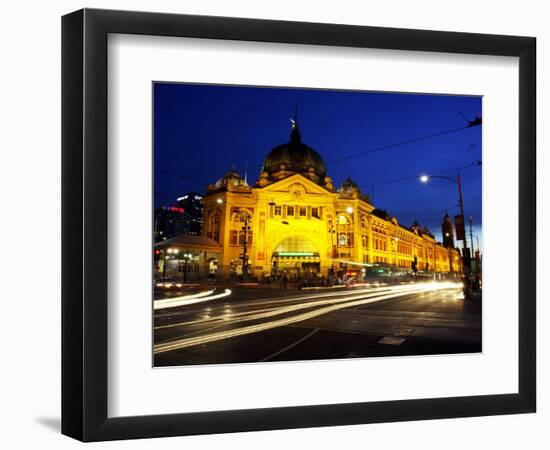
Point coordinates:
[(236, 231), (343, 220), (343, 240), (296, 244), (364, 232), (215, 226), (345, 231)]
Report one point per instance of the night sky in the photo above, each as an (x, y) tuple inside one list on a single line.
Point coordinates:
[(201, 131)]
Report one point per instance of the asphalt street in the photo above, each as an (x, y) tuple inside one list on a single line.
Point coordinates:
[(251, 324)]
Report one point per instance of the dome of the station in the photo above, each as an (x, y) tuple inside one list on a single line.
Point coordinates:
[(294, 156)]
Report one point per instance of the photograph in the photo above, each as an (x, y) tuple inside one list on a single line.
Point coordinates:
[(296, 224)]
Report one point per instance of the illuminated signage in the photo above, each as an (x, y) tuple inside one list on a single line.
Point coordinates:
[(296, 254), (174, 209)]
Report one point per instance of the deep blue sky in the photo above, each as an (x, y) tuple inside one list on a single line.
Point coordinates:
[(201, 131)]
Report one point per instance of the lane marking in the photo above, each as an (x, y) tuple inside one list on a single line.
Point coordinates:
[(288, 347)]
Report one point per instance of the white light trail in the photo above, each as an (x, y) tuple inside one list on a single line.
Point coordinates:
[(189, 299), (333, 305), (275, 311)]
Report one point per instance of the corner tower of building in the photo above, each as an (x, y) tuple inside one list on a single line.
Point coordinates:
[(447, 232)]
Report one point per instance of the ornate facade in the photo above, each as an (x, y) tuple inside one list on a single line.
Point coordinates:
[(293, 219)]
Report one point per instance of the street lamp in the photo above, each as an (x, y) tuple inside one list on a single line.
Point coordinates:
[(332, 233), (466, 262), (186, 258), (245, 230), (426, 178)]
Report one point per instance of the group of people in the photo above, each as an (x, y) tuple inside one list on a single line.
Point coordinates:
[(471, 283), (286, 279)]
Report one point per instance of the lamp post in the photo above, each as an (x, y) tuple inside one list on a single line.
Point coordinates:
[(426, 178), (332, 233), (186, 258), (245, 229), (449, 254), (465, 259), (470, 220), (245, 256)]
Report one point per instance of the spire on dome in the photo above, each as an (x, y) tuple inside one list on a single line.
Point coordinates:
[(295, 133)]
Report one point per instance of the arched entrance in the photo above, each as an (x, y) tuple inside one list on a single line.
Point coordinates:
[(297, 256)]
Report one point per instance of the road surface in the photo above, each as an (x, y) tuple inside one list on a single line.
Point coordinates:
[(251, 324)]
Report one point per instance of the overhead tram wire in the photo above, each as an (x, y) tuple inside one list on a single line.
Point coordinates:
[(398, 144), (416, 177), (431, 155), (185, 177)]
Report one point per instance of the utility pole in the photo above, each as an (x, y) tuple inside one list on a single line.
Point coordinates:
[(471, 235), (465, 253), (466, 258), (334, 245), (185, 268), (461, 204), (245, 256)]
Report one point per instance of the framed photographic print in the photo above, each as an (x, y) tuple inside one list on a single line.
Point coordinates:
[(316, 224)]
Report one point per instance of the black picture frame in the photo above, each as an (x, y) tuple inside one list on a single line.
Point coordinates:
[(84, 224)]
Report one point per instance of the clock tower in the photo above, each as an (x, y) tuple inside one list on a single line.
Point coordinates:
[(447, 232)]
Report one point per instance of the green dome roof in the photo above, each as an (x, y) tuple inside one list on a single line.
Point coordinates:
[(295, 156)]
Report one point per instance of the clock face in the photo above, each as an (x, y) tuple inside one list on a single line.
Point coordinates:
[(297, 190)]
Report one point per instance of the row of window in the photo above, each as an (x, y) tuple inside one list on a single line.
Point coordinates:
[(380, 259), (296, 211), (376, 229), (380, 243), (404, 248)]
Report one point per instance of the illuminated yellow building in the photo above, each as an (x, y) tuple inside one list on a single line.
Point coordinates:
[(296, 221)]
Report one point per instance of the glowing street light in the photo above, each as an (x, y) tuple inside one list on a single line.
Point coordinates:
[(219, 201), (465, 258), (349, 209), (186, 258)]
